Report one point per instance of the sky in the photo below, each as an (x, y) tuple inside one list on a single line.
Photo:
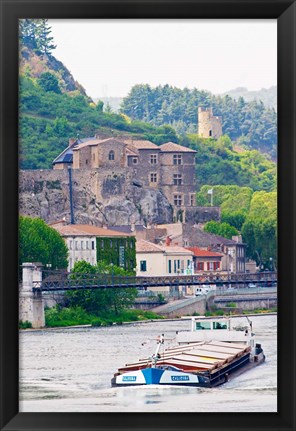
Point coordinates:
[(108, 57)]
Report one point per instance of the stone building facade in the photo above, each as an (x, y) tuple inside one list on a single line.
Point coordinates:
[(209, 126), (169, 167)]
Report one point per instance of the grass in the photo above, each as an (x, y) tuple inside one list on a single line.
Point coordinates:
[(60, 317)]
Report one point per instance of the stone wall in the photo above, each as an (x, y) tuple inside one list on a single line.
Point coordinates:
[(194, 215)]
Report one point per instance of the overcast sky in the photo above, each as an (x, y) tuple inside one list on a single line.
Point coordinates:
[(108, 57)]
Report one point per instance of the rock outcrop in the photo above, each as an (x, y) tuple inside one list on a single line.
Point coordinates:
[(99, 198)]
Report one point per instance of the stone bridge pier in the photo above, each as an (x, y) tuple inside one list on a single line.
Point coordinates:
[(31, 304)]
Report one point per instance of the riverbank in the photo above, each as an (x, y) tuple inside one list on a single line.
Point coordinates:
[(146, 321)]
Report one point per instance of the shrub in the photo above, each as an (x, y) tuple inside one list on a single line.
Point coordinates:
[(25, 325)]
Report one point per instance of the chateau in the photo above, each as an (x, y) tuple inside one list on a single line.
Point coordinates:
[(168, 167)]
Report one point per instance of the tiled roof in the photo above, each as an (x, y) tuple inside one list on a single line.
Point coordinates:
[(206, 239), (174, 229), (127, 228), (171, 147), (93, 142), (146, 246), (142, 145), (131, 151), (149, 247), (86, 230), (174, 249), (198, 252)]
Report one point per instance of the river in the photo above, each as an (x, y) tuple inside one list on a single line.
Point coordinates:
[(69, 370)]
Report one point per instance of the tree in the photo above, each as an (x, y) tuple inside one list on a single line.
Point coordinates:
[(259, 230), (221, 229), (100, 106), (35, 33), (100, 301), (44, 41), (49, 82), (38, 242)]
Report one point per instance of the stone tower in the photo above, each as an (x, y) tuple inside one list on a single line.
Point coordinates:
[(209, 126)]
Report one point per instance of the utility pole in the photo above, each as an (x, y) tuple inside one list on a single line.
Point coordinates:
[(71, 195)]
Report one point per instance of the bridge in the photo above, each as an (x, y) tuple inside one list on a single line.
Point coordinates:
[(35, 282), (64, 281)]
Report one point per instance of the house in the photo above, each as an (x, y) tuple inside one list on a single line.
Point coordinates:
[(188, 235), (92, 244), (161, 260), (205, 260), (168, 167)]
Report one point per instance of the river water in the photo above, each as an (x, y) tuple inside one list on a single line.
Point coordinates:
[(69, 370)]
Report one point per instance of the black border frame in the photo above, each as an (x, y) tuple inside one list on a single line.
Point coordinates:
[(285, 13)]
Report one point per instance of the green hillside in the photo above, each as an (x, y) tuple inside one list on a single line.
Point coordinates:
[(54, 107), (249, 123)]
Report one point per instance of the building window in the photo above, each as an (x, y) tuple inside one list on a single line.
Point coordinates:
[(178, 200), (76, 245), (111, 155), (200, 266), (210, 132), (177, 179), (170, 266), (135, 160), (86, 244), (216, 266), (81, 245), (92, 245), (192, 200), (153, 159), (70, 244), (143, 265), (153, 178), (177, 159), (210, 266), (86, 161)]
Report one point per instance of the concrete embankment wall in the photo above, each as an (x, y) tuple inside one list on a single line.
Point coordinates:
[(248, 304), (182, 307)]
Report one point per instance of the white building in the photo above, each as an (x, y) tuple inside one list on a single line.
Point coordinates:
[(159, 260), (81, 240)]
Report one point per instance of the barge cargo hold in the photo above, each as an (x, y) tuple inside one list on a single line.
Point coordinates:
[(201, 362)]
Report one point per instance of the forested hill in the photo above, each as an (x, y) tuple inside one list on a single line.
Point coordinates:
[(267, 95), (251, 124), (54, 108)]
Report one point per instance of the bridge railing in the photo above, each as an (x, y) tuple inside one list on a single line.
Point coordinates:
[(62, 280)]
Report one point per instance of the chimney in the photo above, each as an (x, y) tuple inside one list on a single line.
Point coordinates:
[(168, 241), (237, 238), (132, 221)]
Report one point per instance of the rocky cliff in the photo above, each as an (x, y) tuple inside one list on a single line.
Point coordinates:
[(98, 198)]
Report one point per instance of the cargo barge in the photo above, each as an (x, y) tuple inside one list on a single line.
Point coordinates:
[(213, 352)]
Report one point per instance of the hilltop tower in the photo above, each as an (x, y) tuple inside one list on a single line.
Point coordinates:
[(209, 126)]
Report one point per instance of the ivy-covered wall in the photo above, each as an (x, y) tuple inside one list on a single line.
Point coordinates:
[(119, 251)]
